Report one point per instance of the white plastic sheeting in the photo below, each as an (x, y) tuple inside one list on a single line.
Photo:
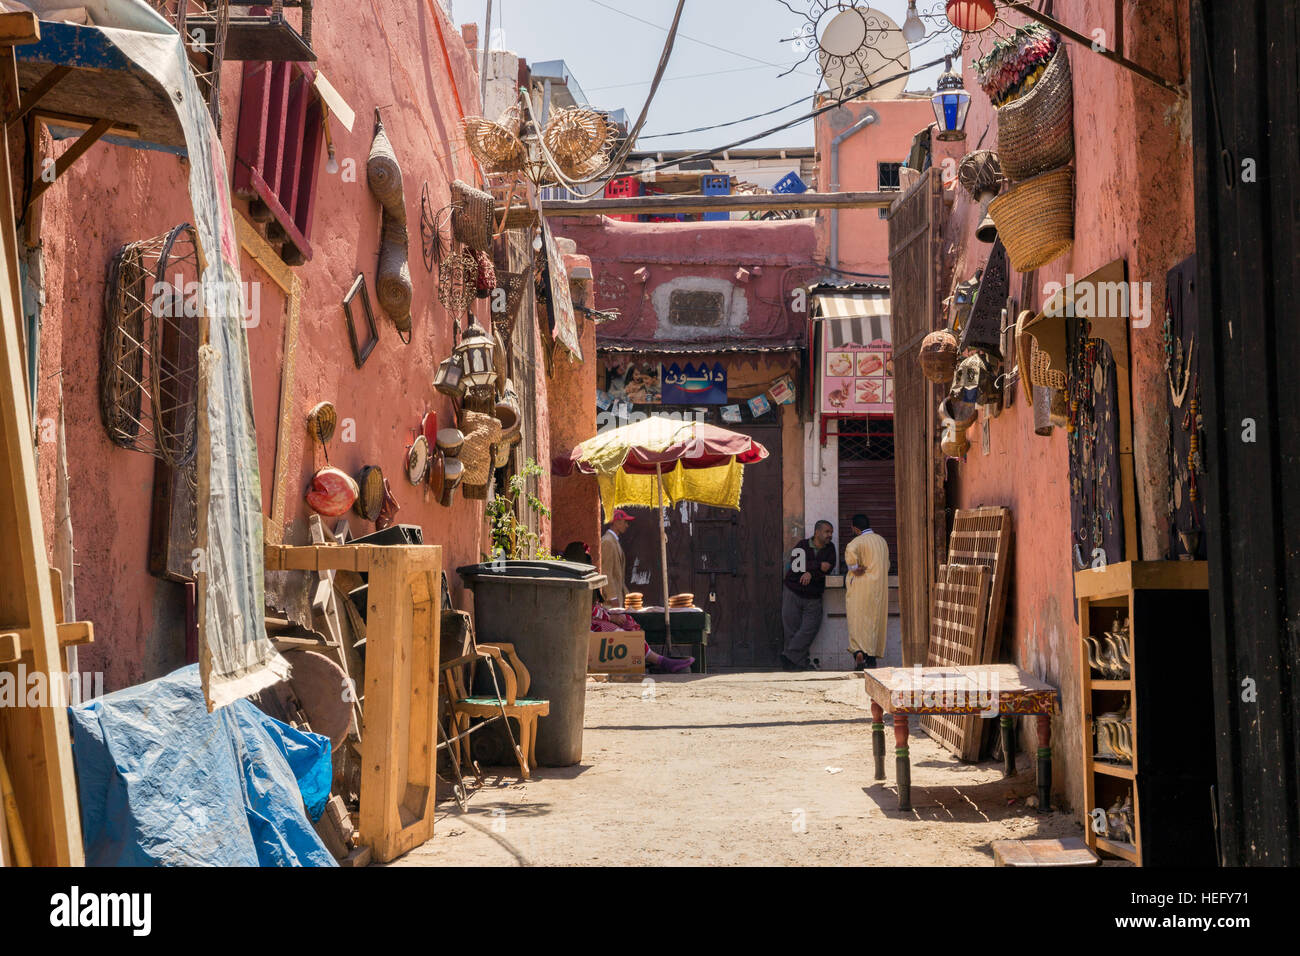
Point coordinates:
[(235, 657)]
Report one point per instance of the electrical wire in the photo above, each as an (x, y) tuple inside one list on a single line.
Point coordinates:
[(615, 161), (708, 153), (712, 46)]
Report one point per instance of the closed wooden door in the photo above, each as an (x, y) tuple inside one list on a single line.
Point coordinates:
[(734, 555)]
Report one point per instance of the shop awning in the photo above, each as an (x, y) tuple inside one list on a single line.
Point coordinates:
[(853, 318), (855, 360)]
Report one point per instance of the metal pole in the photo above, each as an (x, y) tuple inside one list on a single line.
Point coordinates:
[(487, 43), (663, 561)]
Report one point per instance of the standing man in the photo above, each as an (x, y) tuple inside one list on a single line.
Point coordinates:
[(867, 600), (612, 563), (801, 598)]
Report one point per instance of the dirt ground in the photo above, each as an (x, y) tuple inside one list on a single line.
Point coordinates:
[(725, 769)]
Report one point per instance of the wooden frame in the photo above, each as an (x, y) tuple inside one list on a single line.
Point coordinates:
[(36, 741), (360, 353), (264, 254), (1117, 587), (399, 736)]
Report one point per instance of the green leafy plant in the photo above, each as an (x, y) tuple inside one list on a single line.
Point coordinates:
[(511, 538)]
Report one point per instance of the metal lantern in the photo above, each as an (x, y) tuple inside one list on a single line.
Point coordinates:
[(950, 105), (474, 352), (970, 16)]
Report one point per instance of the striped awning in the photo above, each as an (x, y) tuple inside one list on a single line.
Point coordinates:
[(850, 319)]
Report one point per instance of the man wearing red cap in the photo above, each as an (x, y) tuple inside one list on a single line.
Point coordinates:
[(612, 562)]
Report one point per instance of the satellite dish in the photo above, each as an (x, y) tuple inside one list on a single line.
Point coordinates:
[(858, 49)]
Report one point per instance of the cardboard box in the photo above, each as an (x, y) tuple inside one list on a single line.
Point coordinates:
[(616, 652)]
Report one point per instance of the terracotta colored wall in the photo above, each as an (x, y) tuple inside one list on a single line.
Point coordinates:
[(1133, 201), (576, 508), (777, 254), (863, 235), (114, 195)]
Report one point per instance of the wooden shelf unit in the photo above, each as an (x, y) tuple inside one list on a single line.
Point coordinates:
[(1170, 703)]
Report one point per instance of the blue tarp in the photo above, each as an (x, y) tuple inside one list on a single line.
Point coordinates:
[(164, 782)]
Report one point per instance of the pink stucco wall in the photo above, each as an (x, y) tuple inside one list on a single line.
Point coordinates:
[(1133, 200), (777, 255), (863, 235), (113, 195)]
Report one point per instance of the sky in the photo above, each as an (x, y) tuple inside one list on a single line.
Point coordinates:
[(725, 64)]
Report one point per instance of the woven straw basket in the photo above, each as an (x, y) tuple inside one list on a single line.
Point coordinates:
[(1036, 130), (471, 216), (481, 433), (1035, 219)]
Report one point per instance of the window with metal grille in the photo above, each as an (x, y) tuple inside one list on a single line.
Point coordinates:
[(696, 308), (866, 448), (887, 180)]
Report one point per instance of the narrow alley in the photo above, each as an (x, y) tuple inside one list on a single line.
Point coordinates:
[(738, 769)]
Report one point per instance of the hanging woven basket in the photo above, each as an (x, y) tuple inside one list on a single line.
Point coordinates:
[(471, 216), (481, 433), (1036, 130), (1035, 219), (496, 145)]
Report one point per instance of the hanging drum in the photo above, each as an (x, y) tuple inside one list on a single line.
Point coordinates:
[(148, 388), (417, 460)]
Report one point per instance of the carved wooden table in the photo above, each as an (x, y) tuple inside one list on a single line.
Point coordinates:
[(985, 690)]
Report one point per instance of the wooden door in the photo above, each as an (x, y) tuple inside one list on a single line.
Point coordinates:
[(736, 556)]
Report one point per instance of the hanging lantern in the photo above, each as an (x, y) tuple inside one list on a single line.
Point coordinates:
[(970, 16), (474, 352), (950, 105), (913, 28)]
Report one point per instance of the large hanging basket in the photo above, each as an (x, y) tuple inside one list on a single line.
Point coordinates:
[(1036, 130), (1035, 219), (496, 145)]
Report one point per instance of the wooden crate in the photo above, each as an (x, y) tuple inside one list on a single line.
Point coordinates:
[(957, 623), (399, 733)]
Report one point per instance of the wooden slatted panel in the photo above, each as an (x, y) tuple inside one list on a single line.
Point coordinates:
[(915, 261), (983, 536), (961, 594)]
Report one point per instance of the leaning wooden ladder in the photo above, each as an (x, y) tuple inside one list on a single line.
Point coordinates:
[(41, 808)]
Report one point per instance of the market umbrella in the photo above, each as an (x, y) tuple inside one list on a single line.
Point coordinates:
[(665, 459)]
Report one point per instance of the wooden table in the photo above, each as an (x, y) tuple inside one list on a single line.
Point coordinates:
[(985, 690)]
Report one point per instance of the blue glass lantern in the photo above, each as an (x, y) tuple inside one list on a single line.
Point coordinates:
[(950, 103)]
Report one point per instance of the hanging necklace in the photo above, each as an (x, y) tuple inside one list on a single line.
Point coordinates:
[(1177, 392)]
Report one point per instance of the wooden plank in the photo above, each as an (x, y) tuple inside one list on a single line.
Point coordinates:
[(69, 156), (37, 92), (521, 215), (19, 28), (399, 739), (1116, 580), (1068, 851), (35, 740), (266, 257)]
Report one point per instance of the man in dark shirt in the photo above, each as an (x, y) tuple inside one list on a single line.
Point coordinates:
[(801, 598)]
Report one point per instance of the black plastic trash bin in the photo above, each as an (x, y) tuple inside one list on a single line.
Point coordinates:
[(544, 609)]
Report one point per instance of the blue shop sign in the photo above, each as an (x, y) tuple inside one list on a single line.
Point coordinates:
[(692, 384)]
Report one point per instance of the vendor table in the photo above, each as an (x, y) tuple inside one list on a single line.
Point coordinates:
[(985, 690), (691, 627)]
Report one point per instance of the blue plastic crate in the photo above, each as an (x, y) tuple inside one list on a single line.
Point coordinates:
[(790, 183), (715, 184)]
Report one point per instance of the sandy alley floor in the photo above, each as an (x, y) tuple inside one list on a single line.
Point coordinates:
[(758, 768)]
